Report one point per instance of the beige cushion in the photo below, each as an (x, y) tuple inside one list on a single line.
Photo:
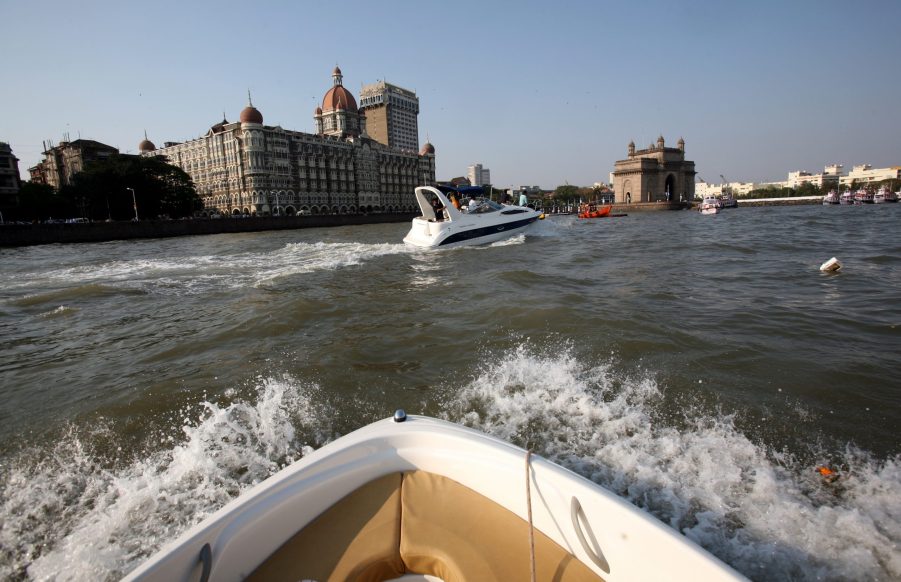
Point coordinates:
[(452, 532), (355, 539), (419, 523)]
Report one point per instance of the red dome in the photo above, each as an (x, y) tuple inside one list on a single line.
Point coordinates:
[(146, 146), (251, 114), (339, 98), (318, 111), (427, 149)]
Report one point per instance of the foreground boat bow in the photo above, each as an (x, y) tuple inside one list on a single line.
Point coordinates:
[(419, 496)]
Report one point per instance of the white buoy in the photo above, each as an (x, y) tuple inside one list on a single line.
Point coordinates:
[(831, 265)]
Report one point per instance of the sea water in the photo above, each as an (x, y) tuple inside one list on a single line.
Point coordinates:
[(700, 367)]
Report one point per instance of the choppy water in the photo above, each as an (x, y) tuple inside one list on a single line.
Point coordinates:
[(700, 366)]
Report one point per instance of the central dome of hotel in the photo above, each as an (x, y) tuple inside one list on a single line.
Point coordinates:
[(338, 98)]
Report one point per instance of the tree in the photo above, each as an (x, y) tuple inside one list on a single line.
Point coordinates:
[(39, 202), (101, 191), (808, 189), (566, 193)]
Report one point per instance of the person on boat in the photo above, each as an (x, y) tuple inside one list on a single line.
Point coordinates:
[(523, 199), (472, 204), (454, 200), (439, 209)]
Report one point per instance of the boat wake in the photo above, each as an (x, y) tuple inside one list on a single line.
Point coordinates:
[(78, 511), (193, 274)]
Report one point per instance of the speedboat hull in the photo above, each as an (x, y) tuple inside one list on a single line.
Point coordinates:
[(427, 234), (415, 495), (486, 223)]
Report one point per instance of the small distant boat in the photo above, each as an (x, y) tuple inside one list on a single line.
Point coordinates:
[(885, 195), (831, 198), (727, 200), (417, 499), (847, 198), (708, 208), (863, 197), (594, 211), (712, 201)]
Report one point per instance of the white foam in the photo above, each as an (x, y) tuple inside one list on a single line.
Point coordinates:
[(76, 514), (59, 311), (204, 273), (68, 517), (750, 507)]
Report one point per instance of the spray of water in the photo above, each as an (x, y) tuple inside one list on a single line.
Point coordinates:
[(73, 513), (755, 509)]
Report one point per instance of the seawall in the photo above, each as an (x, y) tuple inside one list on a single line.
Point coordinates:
[(793, 201), (12, 235)]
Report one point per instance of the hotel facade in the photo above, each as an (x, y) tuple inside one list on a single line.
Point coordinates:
[(248, 168), (10, 180)]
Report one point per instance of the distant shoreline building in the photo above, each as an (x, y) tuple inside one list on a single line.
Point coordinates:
[(63, 161), (10, 180), (249, 168), (478, 175), (865, 173), (655, 174), (832, 178)]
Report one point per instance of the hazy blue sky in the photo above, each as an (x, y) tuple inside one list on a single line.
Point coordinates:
[(539, 92)]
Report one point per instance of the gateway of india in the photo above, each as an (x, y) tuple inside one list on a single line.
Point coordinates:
[(656, 174), (248, 168)]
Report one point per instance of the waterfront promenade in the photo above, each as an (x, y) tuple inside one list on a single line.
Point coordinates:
[(12, 235)]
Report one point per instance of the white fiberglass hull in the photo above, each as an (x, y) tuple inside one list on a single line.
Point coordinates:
[(459, 227), (426, 234), (609, 536)]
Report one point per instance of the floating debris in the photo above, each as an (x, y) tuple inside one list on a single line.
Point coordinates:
[(831, 265), (829, 476)]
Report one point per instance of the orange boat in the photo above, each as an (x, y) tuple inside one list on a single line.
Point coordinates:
[(594, 211)]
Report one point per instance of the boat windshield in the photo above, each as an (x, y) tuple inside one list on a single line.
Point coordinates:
[(482, 206)]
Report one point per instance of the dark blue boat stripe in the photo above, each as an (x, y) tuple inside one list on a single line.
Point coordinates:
[(488, 230)]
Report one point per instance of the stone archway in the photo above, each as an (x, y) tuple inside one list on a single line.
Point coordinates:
[(669, 187)]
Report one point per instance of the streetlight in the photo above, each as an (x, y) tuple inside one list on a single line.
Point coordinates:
[(134, 202)]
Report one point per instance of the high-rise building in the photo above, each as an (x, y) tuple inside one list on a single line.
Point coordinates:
[(391, 115), (63, 161), (478, 176), (10, 182), (246, 167)]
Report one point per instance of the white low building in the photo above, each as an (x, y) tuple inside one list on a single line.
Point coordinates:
[(865, 173)]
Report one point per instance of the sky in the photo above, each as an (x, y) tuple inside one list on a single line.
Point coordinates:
[(541, 93)]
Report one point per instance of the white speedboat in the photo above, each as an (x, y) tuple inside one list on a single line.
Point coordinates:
[(831, 198), (449, 219), (414, 498), (708, 208), (712, 201), (884, 195)]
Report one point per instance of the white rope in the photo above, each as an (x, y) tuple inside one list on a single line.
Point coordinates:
[(531, 527)]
